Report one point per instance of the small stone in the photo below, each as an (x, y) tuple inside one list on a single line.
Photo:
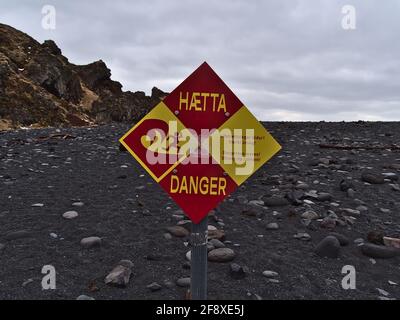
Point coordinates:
[(70, 215), (272, 226), (154, 287), (345, 185), (275, 201), (185, 224), (178, 231), (382, 292), (391, 242), (217, 244), (53, 235), (391, 176), (375, 237), (324, 196), (302, 236), (328, 223), (328, 247), (249, 212), (351, 193), (358, 241), (343, 240), (349, 220), (189, 255), (395, 187), (324, 161), (350, 212), (395, 166), (242, 199), (236, 271), (84, 297), (310, 215), (18, 235), (273, 281), (294, 197), (120, 275), (216, 234), (256, 202), (221, 255), (27, 282), (91, 242), (168, 284), (270, 274), (362, 208), (37, 205), (302, 186), (379, 252), (372, 178), (78, 204), (167, 236), (183, 282)]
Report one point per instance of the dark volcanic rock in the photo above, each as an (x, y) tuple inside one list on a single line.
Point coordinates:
[(236, 271), (372, 178), (345, 185), (328, 247), (18, 235), (91, 242), (324, 196), (221, 255), (275, 201), (375, 237), (343, 240), (178, 231), (379, 252), (294, 197)]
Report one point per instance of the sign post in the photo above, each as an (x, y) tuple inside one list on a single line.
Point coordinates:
[(200, 143), (198, 261)]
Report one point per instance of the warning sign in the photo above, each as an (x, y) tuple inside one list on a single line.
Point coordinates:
[(200, 143)]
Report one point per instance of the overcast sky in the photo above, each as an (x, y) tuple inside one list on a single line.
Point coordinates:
[(285, 59)]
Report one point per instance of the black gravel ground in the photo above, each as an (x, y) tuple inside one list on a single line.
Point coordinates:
[(130, 212)]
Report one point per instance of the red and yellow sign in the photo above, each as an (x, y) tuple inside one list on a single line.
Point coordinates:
[(200, 143)]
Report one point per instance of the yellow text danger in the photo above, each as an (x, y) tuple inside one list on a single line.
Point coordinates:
[(202, 101), (213, 186)]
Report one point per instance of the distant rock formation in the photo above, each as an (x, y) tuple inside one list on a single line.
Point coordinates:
[(40, 87)]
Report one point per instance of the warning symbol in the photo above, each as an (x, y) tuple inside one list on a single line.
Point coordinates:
[(200, 143)]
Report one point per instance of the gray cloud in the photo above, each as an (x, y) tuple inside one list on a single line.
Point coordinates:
[(285, 59)]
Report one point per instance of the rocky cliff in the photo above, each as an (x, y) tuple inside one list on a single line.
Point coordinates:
[(40, 87)]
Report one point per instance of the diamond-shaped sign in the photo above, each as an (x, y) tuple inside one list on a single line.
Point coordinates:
[(200, 143)]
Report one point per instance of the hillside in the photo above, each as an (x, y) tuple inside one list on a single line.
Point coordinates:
[(39, 87)]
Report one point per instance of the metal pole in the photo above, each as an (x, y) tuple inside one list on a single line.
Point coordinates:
[(198, 259)]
